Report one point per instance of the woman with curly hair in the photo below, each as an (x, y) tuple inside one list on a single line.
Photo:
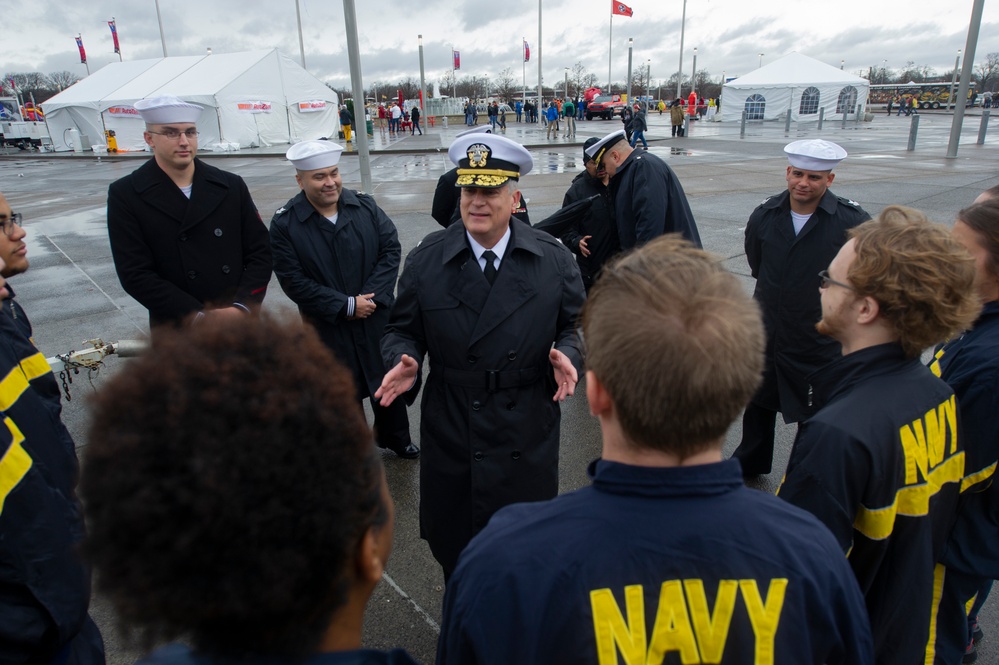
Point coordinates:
[(237, 503), (969, 363)]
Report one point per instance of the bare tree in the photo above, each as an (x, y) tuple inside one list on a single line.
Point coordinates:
[(505, 85), (446, 83), (409, 87), (580, 79), (62, 80), (465, 87), (988, 72)]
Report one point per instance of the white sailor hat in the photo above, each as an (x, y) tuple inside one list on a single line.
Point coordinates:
[(313, 155), (814, 154), (481, 129), (597, 150), (487, 160), (167, 109)]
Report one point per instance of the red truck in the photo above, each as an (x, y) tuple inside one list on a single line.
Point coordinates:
[(605, 106)]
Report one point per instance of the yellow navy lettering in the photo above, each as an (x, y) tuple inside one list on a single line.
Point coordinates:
[(684, 621)]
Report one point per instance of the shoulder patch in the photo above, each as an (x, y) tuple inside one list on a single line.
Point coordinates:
[(280, 210), (849, 202), (765, 200)]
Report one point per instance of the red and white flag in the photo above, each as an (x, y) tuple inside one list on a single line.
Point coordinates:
[(457, 59), (621, 9), (114, 35), (527, 51), (83, 54)]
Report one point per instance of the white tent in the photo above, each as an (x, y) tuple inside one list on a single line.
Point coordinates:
[(796, 84), (255, 98)]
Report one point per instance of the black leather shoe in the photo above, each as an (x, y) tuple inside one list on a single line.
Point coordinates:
[(408, 452)]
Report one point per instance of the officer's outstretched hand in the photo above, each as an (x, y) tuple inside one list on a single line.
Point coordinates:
[(565, 375), (399, 380)]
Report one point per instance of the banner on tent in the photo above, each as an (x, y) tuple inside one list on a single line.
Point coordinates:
[(254, 107), (122, 112), (314, 106)]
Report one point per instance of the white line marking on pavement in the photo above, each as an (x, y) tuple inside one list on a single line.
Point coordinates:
[(419, 610)]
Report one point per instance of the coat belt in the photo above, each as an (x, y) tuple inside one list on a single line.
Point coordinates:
[(493, 380)]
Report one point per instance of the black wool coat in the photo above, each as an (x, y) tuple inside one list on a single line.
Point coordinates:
[(320, 265), (178, 256)]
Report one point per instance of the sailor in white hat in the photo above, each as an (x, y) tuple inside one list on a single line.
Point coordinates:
[(185, 236), (493, 301), (790, 238), (337, 256)]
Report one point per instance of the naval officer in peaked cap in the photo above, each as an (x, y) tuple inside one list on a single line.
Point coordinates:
[(492, 303)]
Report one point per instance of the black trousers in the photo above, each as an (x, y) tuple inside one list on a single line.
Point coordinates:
[(756, 451), (391, 424)]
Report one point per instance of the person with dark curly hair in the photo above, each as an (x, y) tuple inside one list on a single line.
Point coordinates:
[(881, 463), (238, 503)]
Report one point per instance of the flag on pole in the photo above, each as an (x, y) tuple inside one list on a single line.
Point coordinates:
[(527, 51), (83, 54), (621, 9), (114, 36), (457, 59)]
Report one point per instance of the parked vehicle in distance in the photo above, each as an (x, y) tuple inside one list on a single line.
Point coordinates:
[(605, 106)]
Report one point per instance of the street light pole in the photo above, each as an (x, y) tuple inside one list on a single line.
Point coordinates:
[(693, 73), (953, 80), (566, 95), (679, 68), (423, 84), (631, 43), (761, 60), (354, 60)]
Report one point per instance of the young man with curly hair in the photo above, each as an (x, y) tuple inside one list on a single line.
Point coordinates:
[(881, 463), (237, 503)]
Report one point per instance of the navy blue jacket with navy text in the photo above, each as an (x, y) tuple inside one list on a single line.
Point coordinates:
[(657, 565), (881, 466)]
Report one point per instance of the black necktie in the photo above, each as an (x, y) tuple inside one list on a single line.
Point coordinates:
[(490, 269)]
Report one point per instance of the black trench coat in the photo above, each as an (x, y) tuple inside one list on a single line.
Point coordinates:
[(484, 448), (320, 265), (786, 267), (176, 256)]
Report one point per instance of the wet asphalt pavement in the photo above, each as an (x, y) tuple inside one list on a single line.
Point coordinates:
[(72, 293)]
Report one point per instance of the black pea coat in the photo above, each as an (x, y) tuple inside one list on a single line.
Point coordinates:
[(598, 223), (489, 430), (320, 265), (178, 256), (649, 201), (786, 267)]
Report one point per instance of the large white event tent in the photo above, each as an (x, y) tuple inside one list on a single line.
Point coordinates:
[(254, 98), (794, 83)]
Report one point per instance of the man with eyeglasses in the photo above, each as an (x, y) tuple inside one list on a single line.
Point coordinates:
[(44, 582), (790, 237), (186, 238), (881, 463)]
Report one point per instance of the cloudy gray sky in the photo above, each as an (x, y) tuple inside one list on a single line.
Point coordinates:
[(729, 34)]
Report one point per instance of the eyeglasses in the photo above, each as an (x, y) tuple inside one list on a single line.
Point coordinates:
[(174, 134), (8, 224), (827, 280)]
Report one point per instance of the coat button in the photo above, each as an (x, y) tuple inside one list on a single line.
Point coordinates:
[(183, 237), (225, 269), (218, 233), (476, 405), (512, 355), (472, 358), (478, 457), (191, 274), (515, 454)]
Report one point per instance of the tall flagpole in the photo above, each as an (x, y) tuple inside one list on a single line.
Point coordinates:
[(539, 55), (159, 20), (610, 48), (354, 60), (301, 41)]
